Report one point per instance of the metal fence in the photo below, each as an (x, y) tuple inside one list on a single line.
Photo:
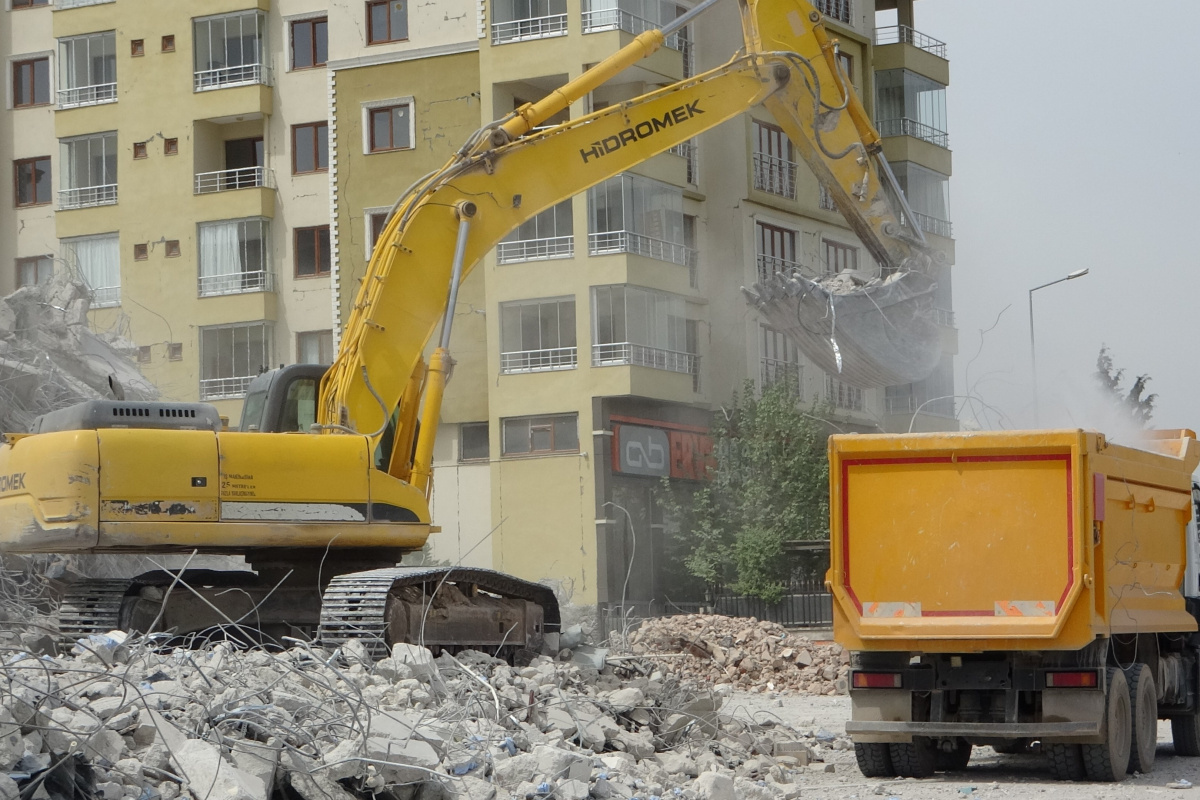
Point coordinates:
[(87, 95), (805, 602), (917, 130), (518, 30), (902, 34)]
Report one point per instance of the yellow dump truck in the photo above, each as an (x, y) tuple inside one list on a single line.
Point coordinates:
[(1004, 588)]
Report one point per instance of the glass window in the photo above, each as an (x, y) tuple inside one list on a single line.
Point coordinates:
[(312, 251), (908, 104), (87, 69), (314, 347), (229, 50), (235, 257), (310, 147), (299, 410), (231, 356), (88, 170), (840, 257), (928, 192), (473, 444), (31, 82), (35, 270), (310, 43), (31, 177), (387, 21), (537, 335), (391, 128), (97, 260), (545, 434), (632, 214), (776, 250)]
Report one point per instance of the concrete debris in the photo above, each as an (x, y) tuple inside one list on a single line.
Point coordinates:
[(741, 653), (150, 722), (49, 359)]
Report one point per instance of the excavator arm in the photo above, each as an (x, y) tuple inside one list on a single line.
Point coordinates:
[(508, 172)]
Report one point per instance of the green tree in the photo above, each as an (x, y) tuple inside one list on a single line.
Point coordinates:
[(770, 485), (1138, 407)]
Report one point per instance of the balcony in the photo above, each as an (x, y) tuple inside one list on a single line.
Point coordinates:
[(87, 95), (917, 130), (224, 388), (236, 283), (222, 77), (87, 196), (640, 355), (535, 249), (224, 180), (775, 175), (834, 9), (902, 34), (773, 371), (629, 242), (63, 5), (938, 227), (843, 395), (106, 297), (825, 200), (519, 30), (549, 360), (608, 19), (943, 317), (773, 265)]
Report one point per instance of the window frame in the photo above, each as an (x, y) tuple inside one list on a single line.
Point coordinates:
[(110, 296), (268, 339), (17, 182), (315, 230), (168, 43), (318, 333), (831, 247), (18, 5), (370, 6), (540, 421), (370, 235), (37, 262), (311, 21), (463, 458), (16, 65), (369, 112), (554, 358), (316, 153)]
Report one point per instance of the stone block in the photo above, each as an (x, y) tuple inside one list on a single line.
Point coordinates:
[(211, 777)]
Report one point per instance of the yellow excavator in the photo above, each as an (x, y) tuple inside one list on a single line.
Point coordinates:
[(328, 475)]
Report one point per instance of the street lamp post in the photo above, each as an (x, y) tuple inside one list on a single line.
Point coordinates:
[(1079, 273)]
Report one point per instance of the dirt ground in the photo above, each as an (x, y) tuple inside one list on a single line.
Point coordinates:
[(989, 774)]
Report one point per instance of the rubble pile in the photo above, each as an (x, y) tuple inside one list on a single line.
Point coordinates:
[(748, 654), (121, 719), (49, 358)]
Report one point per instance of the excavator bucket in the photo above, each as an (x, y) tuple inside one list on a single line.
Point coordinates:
[(865, 332)]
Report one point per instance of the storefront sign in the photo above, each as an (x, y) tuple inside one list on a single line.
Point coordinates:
[(659, 452)]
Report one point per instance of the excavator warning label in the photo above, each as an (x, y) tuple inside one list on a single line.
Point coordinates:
[(643, 130), (12, 483), (234, 484)]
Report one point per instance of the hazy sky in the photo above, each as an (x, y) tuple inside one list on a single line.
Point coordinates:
[(1074, 131)]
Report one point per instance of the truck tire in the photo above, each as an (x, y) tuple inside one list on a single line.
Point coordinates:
[(1066, 761), (874, 760), (1108, 761), (917, 759), (954, 760), (1143, 698), (1185, 733)]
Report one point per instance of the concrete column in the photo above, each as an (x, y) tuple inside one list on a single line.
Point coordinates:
[(904, 13)]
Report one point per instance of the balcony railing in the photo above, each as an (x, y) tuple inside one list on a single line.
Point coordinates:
[(943, 317), (825, 200), (106, 297), (607, 19), (549, 360), (87, 95), (220, 77), (773, 371), (687, 150), (219, 388), (236, 283), (226, 179), (640, 355), (629, 242), (938, 227), (843, 395), (519, 30), (902, 34), (87, 196), (917, 130), (60, 5), (535, 249), (834, 9), (775, 175), (907, 404), (773, 265)]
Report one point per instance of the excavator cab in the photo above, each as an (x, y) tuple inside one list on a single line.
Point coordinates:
[(283, 400)]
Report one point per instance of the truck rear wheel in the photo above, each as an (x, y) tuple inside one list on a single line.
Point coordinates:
[(1144, 712), (1185, 733), (1066, 761), (874, 760), (1108, 761), (917, 759)]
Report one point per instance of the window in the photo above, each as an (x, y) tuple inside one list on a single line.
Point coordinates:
[(141, 252), (632, 214), (538, 335), (839, 257), (834, 9), (31, 82), (35, 270), (29, 3), (230, 50), (97, 260), (310, 148), (776, 250), (170, 147), (137, 47), (375, 225), (908, 104), (314, 347), (558, 433), (846, 62), (31, 177), (387, 21), (843, 395), (88, 167), (87, 70), (312, 251), (139, 150), (235, 257), (549, 234), (175, 351), (519, 20), (310, 43), (473, 444), (779, 360), (928, 192), (641, 327), (690, 225), (774, 163), (390, 128), (231, 356), (172, 248), (168, 43), (144, 354)]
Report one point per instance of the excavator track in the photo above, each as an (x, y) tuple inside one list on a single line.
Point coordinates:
[(92, 606), (356, 605)]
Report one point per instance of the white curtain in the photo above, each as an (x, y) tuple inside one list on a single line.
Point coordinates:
[(220, 250), (98, 260)]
